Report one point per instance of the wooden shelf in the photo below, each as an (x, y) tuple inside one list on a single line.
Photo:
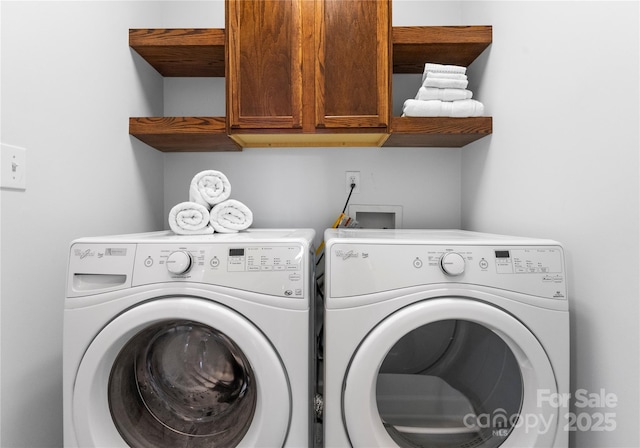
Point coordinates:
[(200, 52), (183, 134), (188, 52), (456, 45), (437, 131)]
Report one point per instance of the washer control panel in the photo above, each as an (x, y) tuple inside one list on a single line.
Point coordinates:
[(358, 269), (267, 269), (277, 269)]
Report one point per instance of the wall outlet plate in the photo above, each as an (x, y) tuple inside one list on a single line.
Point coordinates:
[(352, 176)]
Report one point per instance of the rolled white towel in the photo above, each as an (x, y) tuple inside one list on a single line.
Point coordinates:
[(231, 216), (209, 188), (445, 83), (432, 93), (437, 108), (190, 218)]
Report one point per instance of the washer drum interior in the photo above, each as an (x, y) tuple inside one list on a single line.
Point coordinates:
[(181, 383)]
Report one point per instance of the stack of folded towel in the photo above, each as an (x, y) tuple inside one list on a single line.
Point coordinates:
[(443, 94), (209, 208)]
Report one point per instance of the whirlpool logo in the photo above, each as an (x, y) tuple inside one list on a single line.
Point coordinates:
[(82, 254), (346, 254)]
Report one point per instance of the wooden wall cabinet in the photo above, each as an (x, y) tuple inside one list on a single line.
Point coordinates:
[(352, 70), (308, 73)]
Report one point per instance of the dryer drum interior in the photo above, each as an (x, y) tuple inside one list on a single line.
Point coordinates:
[(181, 383), (449, 383)]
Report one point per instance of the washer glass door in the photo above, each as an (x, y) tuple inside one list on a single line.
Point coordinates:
[(446, 373), (180, 382), (181, 372)]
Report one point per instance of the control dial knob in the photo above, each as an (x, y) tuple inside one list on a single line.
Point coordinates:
[(452, 263), (179, 262)]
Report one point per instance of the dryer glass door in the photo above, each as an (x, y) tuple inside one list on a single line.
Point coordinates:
[(449, 383), (449, 372)]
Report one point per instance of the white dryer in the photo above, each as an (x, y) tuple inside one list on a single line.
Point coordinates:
[(444, 339), (190, 341)]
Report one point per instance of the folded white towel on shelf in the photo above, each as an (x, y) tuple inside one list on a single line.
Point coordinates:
[(433, 93), (442, 68), (446, 75), (209, 188), (445, 83), (230, 216), (190, 218), (437, 108)]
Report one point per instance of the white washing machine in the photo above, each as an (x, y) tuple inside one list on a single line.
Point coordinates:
[(190, 341), (444, 339)]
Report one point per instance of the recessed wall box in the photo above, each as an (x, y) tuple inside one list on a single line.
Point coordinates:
[(377, 216)]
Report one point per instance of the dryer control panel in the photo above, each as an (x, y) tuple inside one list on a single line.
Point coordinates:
[(360, 269)]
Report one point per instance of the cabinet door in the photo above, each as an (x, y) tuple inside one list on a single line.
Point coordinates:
[(264, 80), (352, 65)]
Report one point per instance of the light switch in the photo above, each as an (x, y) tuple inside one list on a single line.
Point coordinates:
[(13, 167)]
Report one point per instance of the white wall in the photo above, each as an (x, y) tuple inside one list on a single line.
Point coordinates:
[(0, 248), (69, 83), (561, 82), (568, 171)]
